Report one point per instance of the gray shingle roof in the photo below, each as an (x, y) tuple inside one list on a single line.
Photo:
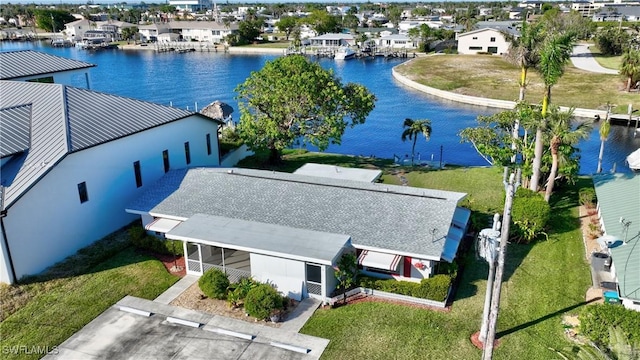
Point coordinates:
[(64, 119), (15, 134), (17, 64), (406, 220)]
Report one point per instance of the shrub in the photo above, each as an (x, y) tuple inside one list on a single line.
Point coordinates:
[(262, 301), (597, 320), (529, 214), (434, 288), (238, 291), (141, 240), (214, 284), (587, 196)]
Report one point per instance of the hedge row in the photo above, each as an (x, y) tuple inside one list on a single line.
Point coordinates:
[(597, 320), (434, 288), (142, 240)]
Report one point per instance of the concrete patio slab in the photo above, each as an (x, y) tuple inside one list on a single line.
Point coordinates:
[(117, 334), (177, 289)]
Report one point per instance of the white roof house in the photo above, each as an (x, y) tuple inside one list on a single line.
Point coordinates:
[(72, 158), (34, 66), (487, 40), (397, 41), (391, 227), (332, 40)]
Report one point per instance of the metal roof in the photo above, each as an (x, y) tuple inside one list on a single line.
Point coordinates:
[(267, 239), (64, 119), (15, 133), (405, 220), (619, 201), (17, 64)]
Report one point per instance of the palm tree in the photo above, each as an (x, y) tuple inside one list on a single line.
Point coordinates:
[(523, 51), (562, 133), (605, 128), (630, 66), (554, 54), (412, 129)]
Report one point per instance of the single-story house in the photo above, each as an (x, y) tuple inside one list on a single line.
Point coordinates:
[(486, 40), (619, 211), (290, 229), (71, 159), (397, 41), (205, 31), (333, 40), (34, 66)]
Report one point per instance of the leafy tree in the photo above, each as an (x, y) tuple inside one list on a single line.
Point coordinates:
[(129, 32), (561, 132), (346, 272), (350, 22), (248, 30), (630, 66), (413, 129), (394, 14), (420, 11), (287, 24), (612, 40), (293, 98), (52, 20), (554, 54), (322, 22)]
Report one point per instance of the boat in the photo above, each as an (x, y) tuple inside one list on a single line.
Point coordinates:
[(344, 53), (633, 160)]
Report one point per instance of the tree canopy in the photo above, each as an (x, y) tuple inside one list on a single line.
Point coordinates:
[(52, 20), (292, 98)]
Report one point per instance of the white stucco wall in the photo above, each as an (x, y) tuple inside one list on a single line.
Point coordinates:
[(5, 270), (288, 275), (474, 42), (78, 78), (49, 223)]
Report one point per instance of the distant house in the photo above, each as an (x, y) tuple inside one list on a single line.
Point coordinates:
[(191, 5), (73, 158), (291, 229), (619, 211), (485, 40), (333, 40), (397, 41), (34, 66), (206, 31), (75, 30), (151, 32)]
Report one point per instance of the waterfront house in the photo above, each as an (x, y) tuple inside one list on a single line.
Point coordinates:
[(34, 66), (332, 40), (290, 229), (75, 30), (151, 32), (205, 31), (397, 41), (619, 212), (485, 40), (73, 158)]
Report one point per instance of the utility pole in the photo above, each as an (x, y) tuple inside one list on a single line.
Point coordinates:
[(489, 238), (511, 186)]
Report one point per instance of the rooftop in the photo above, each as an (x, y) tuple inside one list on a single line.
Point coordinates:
[(338, 172), (406, 220), (17, 64)]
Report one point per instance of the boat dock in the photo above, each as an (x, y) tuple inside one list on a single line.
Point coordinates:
[(330, 52), (187, 46), (625, 119)]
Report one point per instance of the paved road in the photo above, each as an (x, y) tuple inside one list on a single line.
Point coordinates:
[(582, 59)]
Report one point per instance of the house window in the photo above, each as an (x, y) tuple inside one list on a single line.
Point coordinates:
[(474, 38), (187, 153), (208, 144), (314, 273), (492, 39), (475, 47), (165, 160), (136, 170), (82, 192), (45, 80), (492, 49)]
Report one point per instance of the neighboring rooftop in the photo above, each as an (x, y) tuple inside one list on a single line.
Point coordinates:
[(619, 203), (52, 120), (18, 64), (339, 172), (409, 221)]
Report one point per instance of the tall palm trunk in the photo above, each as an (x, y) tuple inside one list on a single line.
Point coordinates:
[(523, 82), (555, 144), (413, 148), (516, 124), (537, 154), (600, 156)]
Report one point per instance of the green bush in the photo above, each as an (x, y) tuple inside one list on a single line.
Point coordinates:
[(597, 320), (141, 240), (262, 301), (587, 196), (214, 283), (434, 288), (529, 214)]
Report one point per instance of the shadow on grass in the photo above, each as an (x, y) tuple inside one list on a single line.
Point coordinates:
[(543, 318)]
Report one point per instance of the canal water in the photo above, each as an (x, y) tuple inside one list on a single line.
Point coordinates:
[(193, 80)]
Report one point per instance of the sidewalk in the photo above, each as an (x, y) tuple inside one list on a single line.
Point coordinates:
[(582, 58)]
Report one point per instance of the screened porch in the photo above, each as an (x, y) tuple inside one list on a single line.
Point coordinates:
[(200, 258)]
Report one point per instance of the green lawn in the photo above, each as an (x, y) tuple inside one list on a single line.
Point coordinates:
[(493, 77), (608, 61), (49, 309), (542, 281)]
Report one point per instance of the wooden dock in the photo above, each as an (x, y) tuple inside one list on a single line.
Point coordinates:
[(188, 46), (329, 52), (625, 119)]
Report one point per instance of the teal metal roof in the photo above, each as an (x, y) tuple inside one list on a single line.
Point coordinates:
[(619, 202)]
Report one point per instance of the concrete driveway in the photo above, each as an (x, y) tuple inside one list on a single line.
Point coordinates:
[(583, 59), (121, 334)]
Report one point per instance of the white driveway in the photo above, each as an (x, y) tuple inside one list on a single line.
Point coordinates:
[(583, 59)]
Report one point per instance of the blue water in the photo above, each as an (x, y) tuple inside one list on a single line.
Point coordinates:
[(196, 79)]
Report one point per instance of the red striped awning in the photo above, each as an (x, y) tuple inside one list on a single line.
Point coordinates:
[(378, 260)]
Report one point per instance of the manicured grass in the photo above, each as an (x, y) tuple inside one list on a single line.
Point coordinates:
[(48, 309), (493, 77), (608, 61), (542, 281)]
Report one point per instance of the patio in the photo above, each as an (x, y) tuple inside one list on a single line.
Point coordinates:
[(200, 258)]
